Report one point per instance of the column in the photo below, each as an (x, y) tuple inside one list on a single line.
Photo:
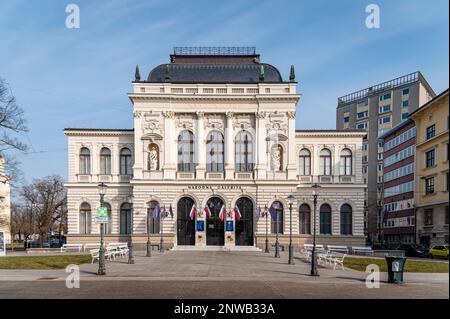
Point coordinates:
[(200, 153), (292, 158), (261, 136), (169, 167), (115, 163), (138, 146), (229, 147)]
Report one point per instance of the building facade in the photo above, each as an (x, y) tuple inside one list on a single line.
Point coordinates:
[(432, 171), (398, 215), (5, 203), (377, 109), (214, 129)]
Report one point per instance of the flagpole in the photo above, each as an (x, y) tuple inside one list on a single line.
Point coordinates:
[(161, 226)]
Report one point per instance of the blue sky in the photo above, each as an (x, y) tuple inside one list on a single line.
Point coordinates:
[(79, 77)]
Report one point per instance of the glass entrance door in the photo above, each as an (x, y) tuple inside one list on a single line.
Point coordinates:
[(185, 226), (215, 230), (244, 227)]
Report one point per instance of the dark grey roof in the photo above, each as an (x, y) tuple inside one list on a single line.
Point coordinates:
[(332, 130), (99, 129), (214, 73)]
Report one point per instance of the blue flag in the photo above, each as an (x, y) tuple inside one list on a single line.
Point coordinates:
[(273, 212), (156, 211), (171, 211), (258, 213), (163, 212)]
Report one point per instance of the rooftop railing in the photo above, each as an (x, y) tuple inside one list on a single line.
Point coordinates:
[(225, 51), (400, 81)]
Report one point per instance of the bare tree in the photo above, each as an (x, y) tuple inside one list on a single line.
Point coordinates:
[(22, 221), (12, 121), (48, 199)]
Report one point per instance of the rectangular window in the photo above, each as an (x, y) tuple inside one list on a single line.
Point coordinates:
[(384, 109), (405, 91), (429, 185), (405, 103), (384, 120), (362, 115), (447, 181), (346, 119), (366, 147), (380, 167), (385, 96), (428, 216), (380, 156), (431, 131), (430, 158), (405, 116), (362, 125)]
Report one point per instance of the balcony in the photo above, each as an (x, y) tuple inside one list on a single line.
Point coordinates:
[(185, 175), (214, 175), (325, 179), (304, 178), (124, 178), (84, 178), (243, 175), (104, 178), (346, 179)]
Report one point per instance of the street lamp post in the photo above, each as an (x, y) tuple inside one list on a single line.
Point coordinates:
[(291, 248), (130, 243), (266, 212), (101, 255), (162, 215), (314, 270)]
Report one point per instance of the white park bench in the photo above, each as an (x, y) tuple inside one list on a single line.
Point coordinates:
[(89, 246), (66, 247), (95, 254), (333, 258), (365, 250), (307, 250), (339, 249)]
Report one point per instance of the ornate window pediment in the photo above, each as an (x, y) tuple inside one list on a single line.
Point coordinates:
[(152, 137)]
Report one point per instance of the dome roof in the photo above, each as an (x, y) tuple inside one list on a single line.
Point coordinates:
[(214, 73)]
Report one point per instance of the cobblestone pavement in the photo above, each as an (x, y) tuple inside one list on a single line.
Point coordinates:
[(215, 274)]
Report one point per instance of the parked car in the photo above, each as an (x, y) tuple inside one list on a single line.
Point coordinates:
[(378, 247), (440, 251), (412, 250)]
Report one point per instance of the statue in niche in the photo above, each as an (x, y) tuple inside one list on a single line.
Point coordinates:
[(153, 157), (277, 154)]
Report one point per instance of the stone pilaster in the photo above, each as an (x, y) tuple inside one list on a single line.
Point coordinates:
[(291, 154), (229, 147), (200, 153), (261, 136), (170, 160)]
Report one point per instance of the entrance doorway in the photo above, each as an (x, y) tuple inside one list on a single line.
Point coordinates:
[(215, 230), (185, 226), (244, 227)]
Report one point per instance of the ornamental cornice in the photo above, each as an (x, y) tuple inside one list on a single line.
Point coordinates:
[(99, 133), (330, 134), (179, 97)]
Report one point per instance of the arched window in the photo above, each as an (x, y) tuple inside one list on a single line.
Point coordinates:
[(153, 217), (325, 162), (125, 219), (325, 219), (305, 162), (279, 218), (244, 152), (125, 161), (346, 219), (105, 161), (214, 152), (346, 162), (108, 226), (85, 218), (85, 161), (186, 151), (304, 219)]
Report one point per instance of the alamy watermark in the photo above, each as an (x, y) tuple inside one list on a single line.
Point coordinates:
[(73, 19), (73, 278), (373, 19), (373, 277)]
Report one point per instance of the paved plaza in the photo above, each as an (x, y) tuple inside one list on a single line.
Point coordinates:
[(215, 274)]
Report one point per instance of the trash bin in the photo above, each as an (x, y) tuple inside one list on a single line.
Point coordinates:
[(395, 265)]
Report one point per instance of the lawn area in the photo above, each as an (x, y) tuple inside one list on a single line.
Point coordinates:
[(410, 266), (42, 262)]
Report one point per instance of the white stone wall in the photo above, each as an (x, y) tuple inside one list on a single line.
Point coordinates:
[(269, 118), (5, 203)]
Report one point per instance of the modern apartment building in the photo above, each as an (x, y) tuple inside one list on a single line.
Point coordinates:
[(432, 171), (397, 218), (377, 109)]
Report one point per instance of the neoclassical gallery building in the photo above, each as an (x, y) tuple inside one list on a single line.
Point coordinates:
[(215, 128)]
